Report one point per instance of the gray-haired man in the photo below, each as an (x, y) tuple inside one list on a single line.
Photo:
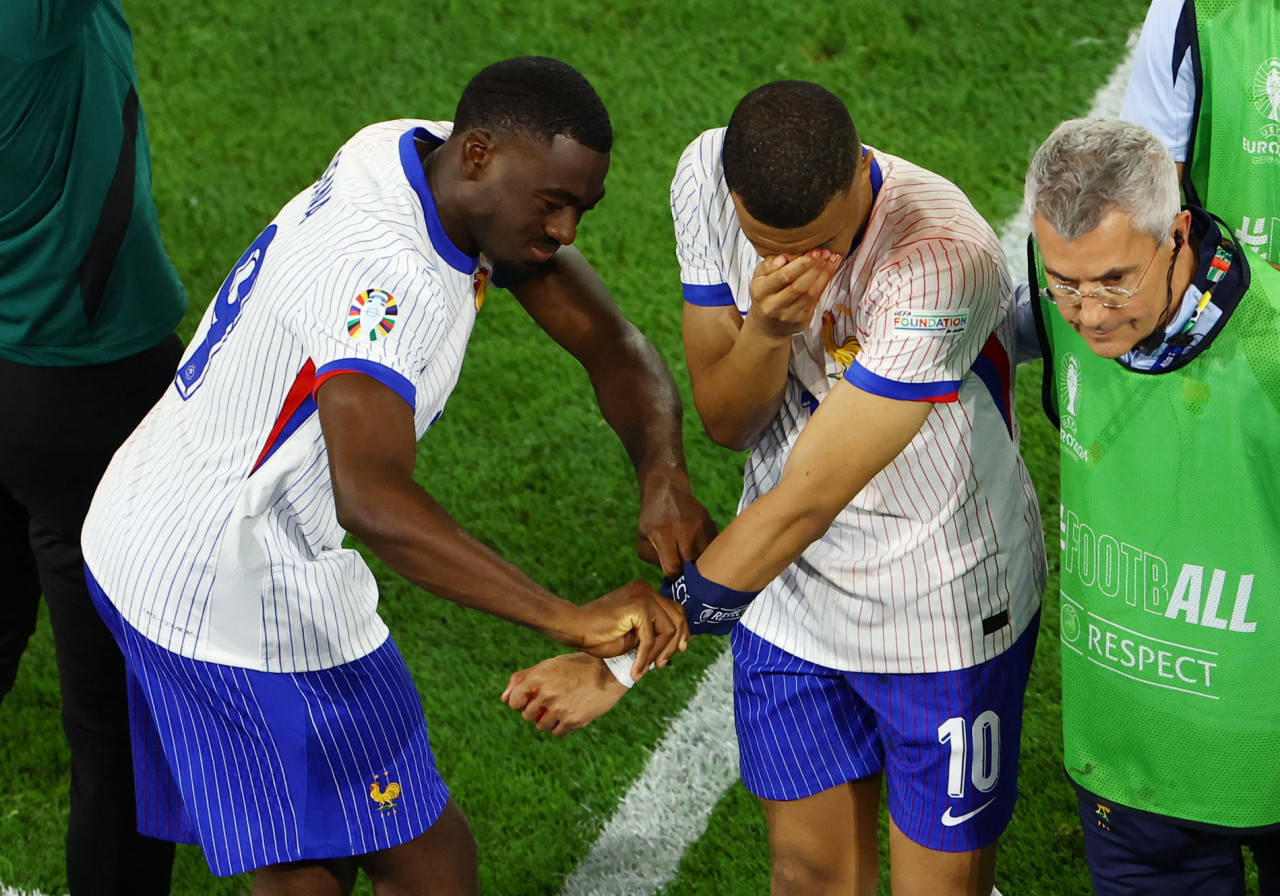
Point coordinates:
[(1161, 339)]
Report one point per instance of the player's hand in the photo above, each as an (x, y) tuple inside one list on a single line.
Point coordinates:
[(634, 617), (564, 693), (785, 291), (674, 527)]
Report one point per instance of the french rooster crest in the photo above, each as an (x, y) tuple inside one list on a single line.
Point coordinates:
[(846, 351), (385, 798)]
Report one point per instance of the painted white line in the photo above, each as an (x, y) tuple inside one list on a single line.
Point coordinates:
[(667, 808), (639, 850), (10, 891)]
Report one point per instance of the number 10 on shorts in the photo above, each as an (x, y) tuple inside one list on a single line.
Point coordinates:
[(983, 746)]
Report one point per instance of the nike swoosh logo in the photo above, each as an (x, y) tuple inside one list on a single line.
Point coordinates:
[(950, 821)]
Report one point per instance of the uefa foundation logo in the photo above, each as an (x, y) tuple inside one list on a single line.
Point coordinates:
[(1070, 629)]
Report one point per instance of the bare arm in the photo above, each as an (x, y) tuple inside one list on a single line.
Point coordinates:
[(371, 443), (637, 397), (853, 436), (739, 365)]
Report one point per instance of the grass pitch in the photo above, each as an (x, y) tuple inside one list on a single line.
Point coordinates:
[(245, 104)]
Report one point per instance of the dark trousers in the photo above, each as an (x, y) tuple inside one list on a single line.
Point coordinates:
[(59, 427), (1134, 854)]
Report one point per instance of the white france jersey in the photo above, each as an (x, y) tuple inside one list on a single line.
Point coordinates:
[(214, 530), (938, 564), (1161, 95)]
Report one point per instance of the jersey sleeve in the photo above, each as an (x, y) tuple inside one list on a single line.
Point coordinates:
[(696, 207), (928, 314), (379, 320), (1161, 95)]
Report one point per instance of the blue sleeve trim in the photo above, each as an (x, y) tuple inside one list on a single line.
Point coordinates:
[(878, 385), (380, 372), (713, 296)]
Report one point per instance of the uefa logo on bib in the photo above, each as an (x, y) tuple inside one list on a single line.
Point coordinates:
[(372, 315), (1069, 406)]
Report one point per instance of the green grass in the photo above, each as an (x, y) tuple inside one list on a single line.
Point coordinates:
[(246, 102)]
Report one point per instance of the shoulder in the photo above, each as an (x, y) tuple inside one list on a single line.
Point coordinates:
[(700, 162), (917, 208)]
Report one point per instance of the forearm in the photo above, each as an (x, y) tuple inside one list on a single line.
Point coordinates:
[(764, 540), (409, 531), (639, 400), (738, 395)]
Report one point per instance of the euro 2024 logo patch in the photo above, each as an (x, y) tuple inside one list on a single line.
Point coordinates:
[(1266, 89), (372, 315)]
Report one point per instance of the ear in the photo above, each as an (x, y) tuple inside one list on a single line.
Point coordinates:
[(477, 152), (1181, 227)]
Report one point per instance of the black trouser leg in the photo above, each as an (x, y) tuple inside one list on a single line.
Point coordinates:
[(69, 421), (19, 590)]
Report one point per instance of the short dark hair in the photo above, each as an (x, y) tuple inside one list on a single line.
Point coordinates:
[(538, 98), (789, 149)]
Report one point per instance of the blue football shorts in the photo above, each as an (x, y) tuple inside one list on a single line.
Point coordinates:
[(1132, 853), (948, 742), (266, 767)]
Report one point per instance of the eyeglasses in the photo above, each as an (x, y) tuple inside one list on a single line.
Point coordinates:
[(1106, 296)]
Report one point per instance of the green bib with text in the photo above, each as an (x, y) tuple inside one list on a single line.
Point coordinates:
[(1234, 156), (1170, 571)]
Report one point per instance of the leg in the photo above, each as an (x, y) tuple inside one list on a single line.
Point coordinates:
[(808, 749), (334, 877), (1266, 855), (916, 870), (20, 588), (105, 853), (826, 843), (951, 742), (1138, 855), (442, 861), (73, 419)]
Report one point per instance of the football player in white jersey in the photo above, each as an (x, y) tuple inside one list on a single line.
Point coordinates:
[(261, 674), (848, 319)]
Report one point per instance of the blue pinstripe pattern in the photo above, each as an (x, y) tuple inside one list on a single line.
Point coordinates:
[(261, 768), (804, 728)]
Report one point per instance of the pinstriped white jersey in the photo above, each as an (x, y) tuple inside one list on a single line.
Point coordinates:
[(938, 564), (214, 530)]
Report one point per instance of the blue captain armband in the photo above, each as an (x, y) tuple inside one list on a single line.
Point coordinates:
[(711, 609)]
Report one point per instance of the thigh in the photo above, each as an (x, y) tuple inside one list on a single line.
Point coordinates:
[(801, 728), (951, 746), (1134, 854), (442, 861)]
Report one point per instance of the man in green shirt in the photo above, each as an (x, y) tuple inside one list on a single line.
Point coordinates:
[(88, 305), (1161, 343)]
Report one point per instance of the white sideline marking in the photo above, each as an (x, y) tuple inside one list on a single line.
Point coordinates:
[(10, 891), (667, 808), (639, 850)]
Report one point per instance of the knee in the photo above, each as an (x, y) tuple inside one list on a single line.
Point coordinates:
[(798, 871)]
